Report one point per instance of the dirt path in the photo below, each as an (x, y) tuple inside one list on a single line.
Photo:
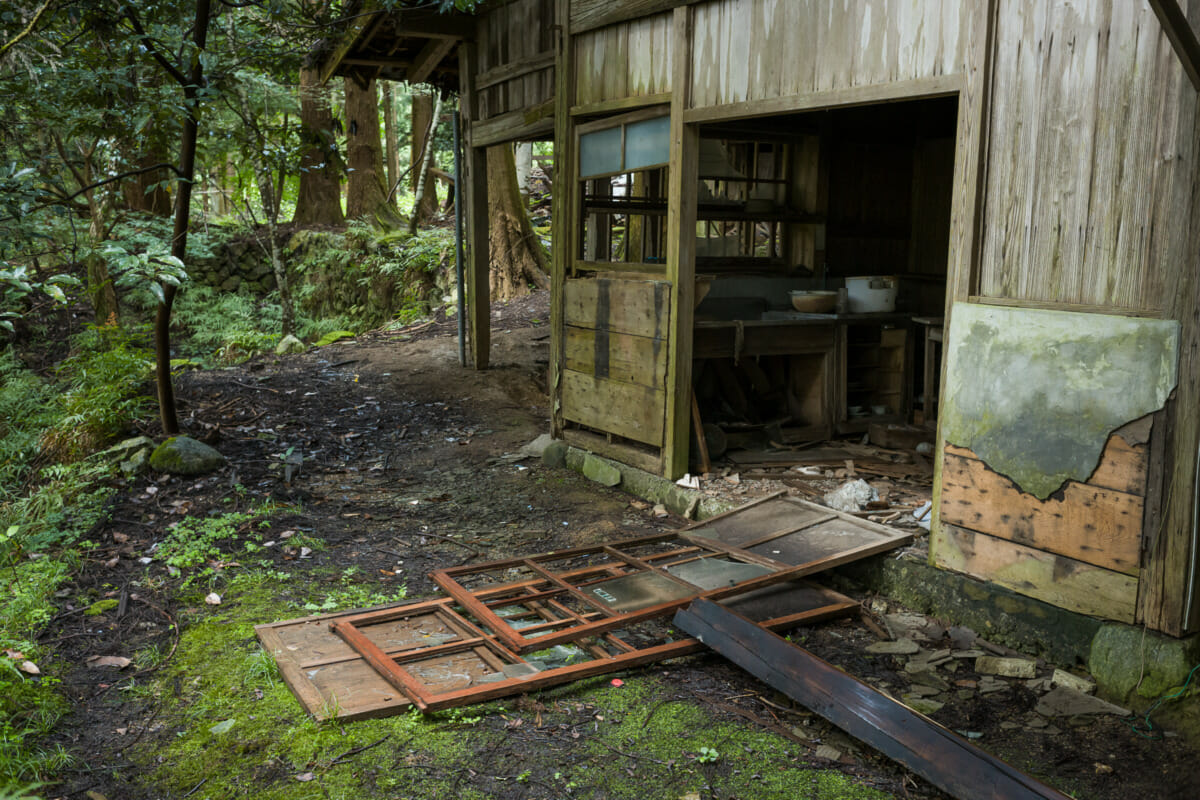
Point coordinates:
[(401, 471)]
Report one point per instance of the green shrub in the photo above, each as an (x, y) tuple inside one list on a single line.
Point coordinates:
[(107, 386), (24, 415)]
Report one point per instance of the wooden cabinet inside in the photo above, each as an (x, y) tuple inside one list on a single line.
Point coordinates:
[(877, 375)]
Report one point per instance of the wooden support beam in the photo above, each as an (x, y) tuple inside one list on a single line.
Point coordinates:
[(945, 759), (527, 123), (367, 23), (429, 58), (587, 15), (681, 247), (1179, 32), (476, 205), (967, 203), (514, 69), (562, 217)]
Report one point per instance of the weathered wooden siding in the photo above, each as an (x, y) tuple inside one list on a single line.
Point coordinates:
[(510, 37), (614, 376), (1079, 549), (630, 59), (1083, 150), (748, 50)]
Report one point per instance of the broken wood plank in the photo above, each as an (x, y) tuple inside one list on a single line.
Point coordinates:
[(1088, 524), (622, 357), (943, 758), (626, 409), (1058, 580), (639, 307)]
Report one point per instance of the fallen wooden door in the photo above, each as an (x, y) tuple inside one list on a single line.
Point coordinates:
[(425, 655), (590, 590)]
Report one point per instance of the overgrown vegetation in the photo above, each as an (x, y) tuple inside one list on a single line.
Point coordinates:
[(53, 491)]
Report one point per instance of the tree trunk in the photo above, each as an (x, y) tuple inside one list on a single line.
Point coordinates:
[(426, 186), (190, 85), (391, 143), (517, 255), (365, 193), (524, 158), (270, 202), (422, 126), (137, 193), (319, 201)]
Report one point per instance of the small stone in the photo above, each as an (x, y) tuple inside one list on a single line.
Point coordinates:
[(969, 654), (182, 455), (962, 637), (660, 511), (1067, 702), (1009, 726), (851, 496), (988, 685), (964, 694), (924, 691), (555, 454), (289, 345), (930, 678), (900, 647), (906, 625), (1006, 667), (923, 705), (831, 753), (601, 471), (137, 463), (1072, 681)]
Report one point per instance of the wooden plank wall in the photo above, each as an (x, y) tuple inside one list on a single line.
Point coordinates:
[(748, 50), (1080, 549), (615, 356), (1081, 154), (630, 59), (518, 32)]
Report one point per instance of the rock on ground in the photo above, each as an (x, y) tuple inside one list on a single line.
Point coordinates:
[(182, 455)]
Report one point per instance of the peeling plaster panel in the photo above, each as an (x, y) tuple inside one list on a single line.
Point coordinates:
[(1036, 393)]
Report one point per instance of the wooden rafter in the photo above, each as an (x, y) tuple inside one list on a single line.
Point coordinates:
[(1179, 32), (429, 58)]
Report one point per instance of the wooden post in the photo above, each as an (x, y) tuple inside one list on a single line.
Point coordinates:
[(564, 191), (967, 204), (476, 205), (681, 246)]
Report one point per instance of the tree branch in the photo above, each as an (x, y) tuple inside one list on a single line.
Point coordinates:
[(68, 198), (153, 49), (37, 17)]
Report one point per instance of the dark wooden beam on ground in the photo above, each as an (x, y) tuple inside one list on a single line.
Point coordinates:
[(943, 758)]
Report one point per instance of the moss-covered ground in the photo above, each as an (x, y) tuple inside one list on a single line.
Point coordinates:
[(229, 727)]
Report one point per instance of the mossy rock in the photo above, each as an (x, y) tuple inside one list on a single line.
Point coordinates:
[(1125, 660), (182, 455)]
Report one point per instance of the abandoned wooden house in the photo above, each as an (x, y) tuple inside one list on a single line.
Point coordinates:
[(1008, 192)]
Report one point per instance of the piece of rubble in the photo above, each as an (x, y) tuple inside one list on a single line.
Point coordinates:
[(962, 637), (969, 654), (927, 677), (851, 496), (989, 684), (923, 705), (1070, 680), (1067, 702), (1006, 667), (906, 625), (900, 647), (831, 753)]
